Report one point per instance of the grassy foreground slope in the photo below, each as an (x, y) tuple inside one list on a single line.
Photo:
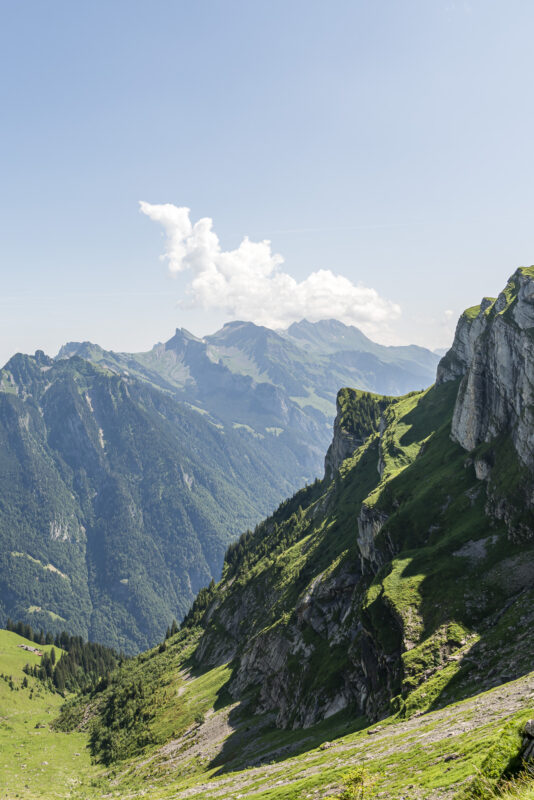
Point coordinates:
[(218, 753), (213, 748), (35, 760)]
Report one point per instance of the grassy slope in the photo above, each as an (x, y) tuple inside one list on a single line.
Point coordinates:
[(36, 761), (465, 625), (214, 749)]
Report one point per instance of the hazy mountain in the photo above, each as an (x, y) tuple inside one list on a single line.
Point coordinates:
[(117, 500), (281, 383)]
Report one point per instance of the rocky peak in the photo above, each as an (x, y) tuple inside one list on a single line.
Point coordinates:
[(344, 443), (359, 416), (493, 352), (456, 361)]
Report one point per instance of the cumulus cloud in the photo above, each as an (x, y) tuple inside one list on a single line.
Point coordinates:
[(249, 283)]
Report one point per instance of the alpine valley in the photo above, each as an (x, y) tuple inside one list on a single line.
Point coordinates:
[(125, 477), (371, 637)]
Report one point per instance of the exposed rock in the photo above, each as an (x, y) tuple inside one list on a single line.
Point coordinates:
[(456, 362), (528, 741), (482, 469), (475, 550), (497, 391), (370, 523), (343, 446), (493, 353), (278, 660)]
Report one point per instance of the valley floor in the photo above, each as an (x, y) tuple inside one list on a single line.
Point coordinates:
[(35, 761)]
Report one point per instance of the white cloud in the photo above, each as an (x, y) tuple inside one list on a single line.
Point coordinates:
[(249, 283)]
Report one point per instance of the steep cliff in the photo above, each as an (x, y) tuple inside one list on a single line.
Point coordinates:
[(493, 353)]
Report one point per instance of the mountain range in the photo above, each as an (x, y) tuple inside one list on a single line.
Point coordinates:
[(372, 635), (274, 383), (398, 586), (125, 477)]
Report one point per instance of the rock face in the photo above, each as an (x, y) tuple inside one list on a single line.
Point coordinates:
[(344, 443), (370, 523), (493, 353), (528, 741), (471, 324)]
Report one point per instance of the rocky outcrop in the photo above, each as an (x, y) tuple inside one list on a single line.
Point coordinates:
[(494, 351), (471, 324), (370, 523), (528, 742), (344, 444), (282, 661)]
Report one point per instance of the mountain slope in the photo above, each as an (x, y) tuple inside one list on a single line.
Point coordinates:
[(220, 757), (117, 501), (35, 761), (401, 583)]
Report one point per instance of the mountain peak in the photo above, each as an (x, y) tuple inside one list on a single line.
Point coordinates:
[(181, 339), (85, 349), (329, 335)]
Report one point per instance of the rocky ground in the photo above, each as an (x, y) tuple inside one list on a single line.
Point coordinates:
[(428, 756)]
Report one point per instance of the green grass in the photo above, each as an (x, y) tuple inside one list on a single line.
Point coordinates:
[(35, 760), (445, 750), (281, 765)]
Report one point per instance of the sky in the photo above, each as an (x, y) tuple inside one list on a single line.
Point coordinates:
[(184, 163)]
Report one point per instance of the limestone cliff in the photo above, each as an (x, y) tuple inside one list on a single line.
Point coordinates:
[(493, 353)]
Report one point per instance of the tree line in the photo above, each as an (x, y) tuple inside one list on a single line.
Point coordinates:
[(81, 667)]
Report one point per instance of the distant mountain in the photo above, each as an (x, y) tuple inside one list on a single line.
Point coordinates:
[(125, 476), (117, 501), (281, 383)]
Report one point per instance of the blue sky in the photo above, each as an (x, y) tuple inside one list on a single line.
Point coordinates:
[(387, 142)]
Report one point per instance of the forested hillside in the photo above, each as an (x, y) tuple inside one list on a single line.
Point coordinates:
[(117, 501)]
